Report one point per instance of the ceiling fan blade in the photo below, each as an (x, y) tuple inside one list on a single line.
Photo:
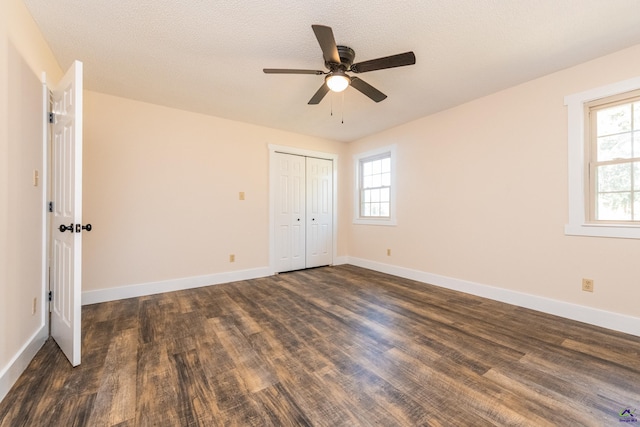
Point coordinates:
[(327, 43), (367, 89), (315, 99), (290, 71), (399, 60)]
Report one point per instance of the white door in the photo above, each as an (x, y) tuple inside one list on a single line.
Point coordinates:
[(66, 195), (319, 212), (290, 212)]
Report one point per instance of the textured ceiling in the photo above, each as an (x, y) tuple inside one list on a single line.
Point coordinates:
[(207, 56)]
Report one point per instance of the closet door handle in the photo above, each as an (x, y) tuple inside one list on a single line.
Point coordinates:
[(80, 227), (64, 228)]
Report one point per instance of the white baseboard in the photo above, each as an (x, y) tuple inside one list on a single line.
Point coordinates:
[(10, 373), (606, 319), (138, 290)]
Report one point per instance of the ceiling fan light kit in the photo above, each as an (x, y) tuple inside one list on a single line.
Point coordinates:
[(337, 81), (338, 60)]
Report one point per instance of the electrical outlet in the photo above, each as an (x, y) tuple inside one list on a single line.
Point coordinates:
[(232, 258), (388, 252), (587, 285), (34, 307)]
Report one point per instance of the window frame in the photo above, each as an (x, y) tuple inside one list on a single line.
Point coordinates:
[(579, 146), (591, 110), (358, 160)]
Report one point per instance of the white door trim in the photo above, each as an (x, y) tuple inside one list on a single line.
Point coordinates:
[(46, 197), (272, 191)]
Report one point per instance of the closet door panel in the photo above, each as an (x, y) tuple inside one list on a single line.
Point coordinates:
[(319, 244), (290, 208)]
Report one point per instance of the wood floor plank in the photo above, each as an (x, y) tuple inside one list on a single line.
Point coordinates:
[(254, 372), (157, 385), (334, 346), (116, 397), (197, 402), (280, 407)]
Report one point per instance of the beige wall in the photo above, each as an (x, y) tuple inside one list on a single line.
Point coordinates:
[(161, 191), (482, 196), (23, 56)]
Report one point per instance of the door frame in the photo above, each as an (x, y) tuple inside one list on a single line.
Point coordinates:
[(45, 180), (273, 148)]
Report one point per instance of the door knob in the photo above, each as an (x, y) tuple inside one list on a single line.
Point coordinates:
[(64, 228), (79, 228)]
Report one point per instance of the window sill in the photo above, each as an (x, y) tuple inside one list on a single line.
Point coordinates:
[(372, 221), (597, 230)]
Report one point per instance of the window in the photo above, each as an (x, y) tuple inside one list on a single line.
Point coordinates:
[(374, 196), (604, 161), (614, 159), (375, 186)]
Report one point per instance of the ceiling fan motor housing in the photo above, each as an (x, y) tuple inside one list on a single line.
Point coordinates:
[(347, 55)]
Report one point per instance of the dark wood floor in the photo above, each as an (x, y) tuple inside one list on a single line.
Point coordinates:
[(337, 346)]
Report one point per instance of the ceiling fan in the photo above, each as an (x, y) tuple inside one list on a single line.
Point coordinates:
[(338, 60)]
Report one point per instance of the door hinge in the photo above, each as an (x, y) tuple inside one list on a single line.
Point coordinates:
[(50, 295), (50, 206), (52, 118)]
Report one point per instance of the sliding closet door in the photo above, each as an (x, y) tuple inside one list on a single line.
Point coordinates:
[(319, 212), (290, 216)]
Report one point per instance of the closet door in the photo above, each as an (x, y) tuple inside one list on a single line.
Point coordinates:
[(319, 245), (290, 206)]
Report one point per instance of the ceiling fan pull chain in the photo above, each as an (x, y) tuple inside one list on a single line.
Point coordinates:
[(342, 107), (331, 104)]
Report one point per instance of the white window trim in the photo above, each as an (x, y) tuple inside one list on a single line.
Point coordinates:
[(578, 225), (356, 193)]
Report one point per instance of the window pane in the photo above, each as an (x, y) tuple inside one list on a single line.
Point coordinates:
[(386, 179), (367, 182), (376, 181), (375, 195), (376, 166), (636, 144), (384, 192), (614, 177), (615, 147), (614, 206), (366, 196), (636, 116), (366, 209), (366, 168), (384, 209), (636, 206), (386, 163), (614, 120)]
